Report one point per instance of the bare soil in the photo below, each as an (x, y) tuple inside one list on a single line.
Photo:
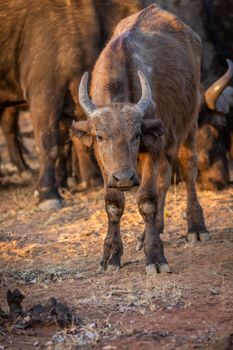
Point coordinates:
[(56, 254)]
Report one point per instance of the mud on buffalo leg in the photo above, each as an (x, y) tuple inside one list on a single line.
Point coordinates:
[(45, 117), (9, 124), (113, 246), (187, 157), (147, 204), (163, 184)]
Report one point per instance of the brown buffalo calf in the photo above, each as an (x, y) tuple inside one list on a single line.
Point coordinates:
[(145, 97)]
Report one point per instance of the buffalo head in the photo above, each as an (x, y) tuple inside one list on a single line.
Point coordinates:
[(116, 130), (218, 96), (213, 133)]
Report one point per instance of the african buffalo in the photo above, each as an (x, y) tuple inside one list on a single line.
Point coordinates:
[(213, 132), (144, 106), (45, 47)]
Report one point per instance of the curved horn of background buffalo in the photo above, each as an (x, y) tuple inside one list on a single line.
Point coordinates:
[(84, 99), (215, 90), (145, 99)]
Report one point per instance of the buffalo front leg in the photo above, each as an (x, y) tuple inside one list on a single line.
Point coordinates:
[(9, 123), (163, 184), (113, 246), (187, 157), (89, 172), (147, 203)]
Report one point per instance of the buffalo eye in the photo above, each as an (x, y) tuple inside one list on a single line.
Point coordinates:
[(99, 138), (136, 137)]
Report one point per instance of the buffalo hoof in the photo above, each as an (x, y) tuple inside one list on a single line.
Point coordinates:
[(71, 182), (113, 268), (50, 204), (36, 194), (100, 269), (164, 268), (26, 175), (151, 270), (192, 237), (204, 236), (139, 246), (110, 268)]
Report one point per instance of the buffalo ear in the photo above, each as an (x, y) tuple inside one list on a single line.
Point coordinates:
[(222, 105), (154, 127), (82, 130)]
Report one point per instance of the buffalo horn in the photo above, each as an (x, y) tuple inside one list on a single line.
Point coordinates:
[(85, 102), (145, 99), (215, 90)]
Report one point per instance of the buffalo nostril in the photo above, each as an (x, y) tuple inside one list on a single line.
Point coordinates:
[(116, 177), (124, 176), (132, 176), (124, 179)]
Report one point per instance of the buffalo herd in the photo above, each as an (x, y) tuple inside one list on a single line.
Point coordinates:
[(145, 107)]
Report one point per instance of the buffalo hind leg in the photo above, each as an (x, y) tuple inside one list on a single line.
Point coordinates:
[(46, 129), (196, 224), (89, 172), (113, 246), (61, 166), (147, 204)]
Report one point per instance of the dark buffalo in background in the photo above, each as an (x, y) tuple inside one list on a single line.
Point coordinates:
[(220, 27), (213, 133), (212, 20), (45, 47), (219, 16)]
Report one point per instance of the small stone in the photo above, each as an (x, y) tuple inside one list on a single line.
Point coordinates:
[(214, 291), (152, 307), (93, 325)]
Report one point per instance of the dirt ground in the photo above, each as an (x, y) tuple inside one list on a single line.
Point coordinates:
[(56, 254)]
